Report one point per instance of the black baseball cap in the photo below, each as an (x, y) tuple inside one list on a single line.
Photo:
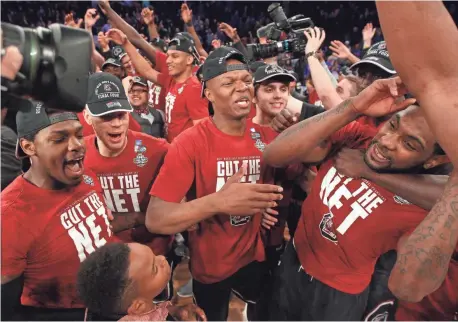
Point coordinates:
[(111, 61), (137, 80), (267, 72), (159, 43), (106, 95), (215, 64), (378, 56), (117, 52), (34, 117), (255, 65), (184, 44)]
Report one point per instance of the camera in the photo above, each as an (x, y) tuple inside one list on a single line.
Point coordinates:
[(56, 65), (294, 28)]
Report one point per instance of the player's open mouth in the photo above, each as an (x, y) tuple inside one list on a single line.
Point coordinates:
[(243, 102), (74, 166), (377, 156), (115, 137)]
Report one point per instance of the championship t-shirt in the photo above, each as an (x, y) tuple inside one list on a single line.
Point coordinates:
[(346, 224), (46, 234), (89, 130), (441, 305), (183, 104), (126, 181), (198, 163), (157, 92)]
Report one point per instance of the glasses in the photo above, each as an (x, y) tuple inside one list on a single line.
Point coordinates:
[(138, 91)]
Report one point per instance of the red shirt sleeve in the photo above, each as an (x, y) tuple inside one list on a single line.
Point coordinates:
[(16, 241), (196, 105), (177, 173), (164, 80), (161, 65)]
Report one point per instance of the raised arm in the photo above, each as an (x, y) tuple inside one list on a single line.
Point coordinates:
[(186, 15), (134, 37), (148, 20), (323, 84), (140, 64), (424, 256), (426, 62), (307, 141)]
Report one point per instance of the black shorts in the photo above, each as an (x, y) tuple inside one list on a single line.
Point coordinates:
[(381, 304), (298, 296), (247, 284)]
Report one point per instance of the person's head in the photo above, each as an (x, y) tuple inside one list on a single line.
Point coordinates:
[(53, 140), (159, 44), (181, 55), (138, 92), (227, 83), (271, 89), (350, 86), (122, 279), (107, 111), (113, 66), (125, 61), (405, 143), (375, 64)]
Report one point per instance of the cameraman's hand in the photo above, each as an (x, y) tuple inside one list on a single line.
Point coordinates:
[(104, 5), (90, 18), (228, 30), (11, 60), (315, 37), (186, 13), (148, 16), (117, 36), (284, 120), (340, 50), (247, 199), (382, 97)]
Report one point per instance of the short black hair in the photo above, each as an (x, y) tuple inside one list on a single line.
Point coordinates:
[(103, 279)]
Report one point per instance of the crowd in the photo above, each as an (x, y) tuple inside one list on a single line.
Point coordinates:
[(348, 150)]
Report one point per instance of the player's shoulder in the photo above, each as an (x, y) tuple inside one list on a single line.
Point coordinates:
[(193, 84), (267, 133), (14, 196), (196, 134), (155, 144)]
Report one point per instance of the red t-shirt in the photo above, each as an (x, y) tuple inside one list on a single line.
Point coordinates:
[(46, 234), (198, 164), (89, 130), (157, 92), (441, 305), (346, 223), (126, 181), (183, 104)]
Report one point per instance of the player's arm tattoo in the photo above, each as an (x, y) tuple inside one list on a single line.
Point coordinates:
[(424, 257)]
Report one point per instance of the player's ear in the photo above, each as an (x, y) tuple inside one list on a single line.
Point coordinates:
[(87, 116), (436, 161), (209, 95), (28, 147), (190, 60)]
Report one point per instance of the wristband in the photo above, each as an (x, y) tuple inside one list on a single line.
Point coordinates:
[(189, 23), (312, 53)]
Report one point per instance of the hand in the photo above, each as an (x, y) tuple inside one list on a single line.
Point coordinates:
[(228, 30), (186, 13), (11, 61), (268, 219), (350, 162), (315, 37), (69, 21), (246, 199), (103, 41), (91, 17), (368, 32), (216, 43), (104, 5), (284, 120), (339, 49), (117, 36), (188, 312), (148, 16), (382, 97)]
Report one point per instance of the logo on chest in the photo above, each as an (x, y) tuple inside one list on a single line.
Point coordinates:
[(140, 160), (257, 140), (347, 202)]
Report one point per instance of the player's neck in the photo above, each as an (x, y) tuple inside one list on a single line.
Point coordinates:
[(183, 76), (38, 178), (262, 118), (230, 126), (106, 152)]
